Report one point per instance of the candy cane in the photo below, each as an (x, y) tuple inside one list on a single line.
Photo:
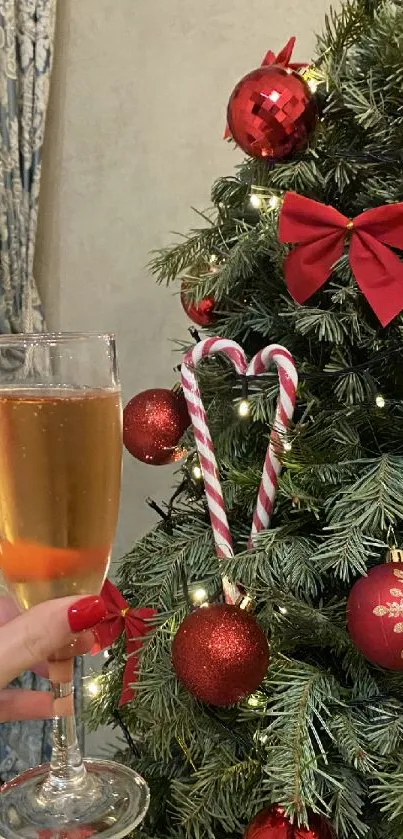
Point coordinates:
[(288, 377), (272, 466), (204, 443)]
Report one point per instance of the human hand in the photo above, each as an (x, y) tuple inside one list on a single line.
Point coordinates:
[(57, 627)]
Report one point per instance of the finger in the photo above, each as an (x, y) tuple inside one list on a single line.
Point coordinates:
[(41, 632), (25, 705), (8, 609), (80, 646), (41, 670)]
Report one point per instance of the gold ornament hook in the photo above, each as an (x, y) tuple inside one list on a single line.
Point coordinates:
[(394, 555), (246, 603)]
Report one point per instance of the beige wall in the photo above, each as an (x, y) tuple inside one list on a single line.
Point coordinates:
[(134, 139)]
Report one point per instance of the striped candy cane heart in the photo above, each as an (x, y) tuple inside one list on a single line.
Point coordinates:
[(204, 443), (272, 467)]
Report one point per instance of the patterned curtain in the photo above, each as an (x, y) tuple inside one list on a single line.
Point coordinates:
[(26, 50), (26, 40)]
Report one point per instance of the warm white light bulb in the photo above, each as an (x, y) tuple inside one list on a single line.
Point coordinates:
[(93, 687), (274, 202), (197, 472), (106, 654), (253, 701), (213, 258), (199, 595), (283, 610), (313, 85), (380, 401), (256, 201), (244, 408), (287, 446)]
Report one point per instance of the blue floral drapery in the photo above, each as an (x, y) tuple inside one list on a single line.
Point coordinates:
[(26, 50), (26, 42)]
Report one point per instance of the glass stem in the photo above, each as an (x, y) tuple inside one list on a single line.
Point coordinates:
[(67, 770)]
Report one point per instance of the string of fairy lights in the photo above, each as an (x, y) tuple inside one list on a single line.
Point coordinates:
[(243, 407), (261, 200)]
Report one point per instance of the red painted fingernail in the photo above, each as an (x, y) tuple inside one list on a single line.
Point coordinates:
[(86, 613)]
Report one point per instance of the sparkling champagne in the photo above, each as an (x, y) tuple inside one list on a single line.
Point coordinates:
[(60, 468)]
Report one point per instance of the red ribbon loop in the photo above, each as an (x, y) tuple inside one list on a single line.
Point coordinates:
[(121, 618), (283, 59), (321, 235)]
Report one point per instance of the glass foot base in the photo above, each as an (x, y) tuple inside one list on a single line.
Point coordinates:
[(111, 802)]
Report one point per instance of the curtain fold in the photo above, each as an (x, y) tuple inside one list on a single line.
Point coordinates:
[(27, 30), (26, 50)]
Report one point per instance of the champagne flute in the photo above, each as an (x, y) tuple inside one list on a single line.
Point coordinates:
[(60, 469)]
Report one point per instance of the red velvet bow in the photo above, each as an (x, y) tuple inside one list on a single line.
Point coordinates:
[(281, 60), (321, 234), (121, 618)]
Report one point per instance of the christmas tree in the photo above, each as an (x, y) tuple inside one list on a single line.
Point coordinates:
[(322, 736)]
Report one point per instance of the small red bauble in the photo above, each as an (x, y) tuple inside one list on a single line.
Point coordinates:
[(220, 654), (272, 113), (201, 313), (375, 615), (272, 823), (153, 424)]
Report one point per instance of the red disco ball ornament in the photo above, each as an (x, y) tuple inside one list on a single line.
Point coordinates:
[(272, 113), (153, 423), (220, 654), (375, 615), (272, 823)]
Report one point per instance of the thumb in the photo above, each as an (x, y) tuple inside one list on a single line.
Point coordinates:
[(39, 633)]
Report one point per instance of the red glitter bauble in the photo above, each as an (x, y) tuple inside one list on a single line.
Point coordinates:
[(272, 823), (272, 113), (201, 313), (375, 615), (220, 654), (153, 424)]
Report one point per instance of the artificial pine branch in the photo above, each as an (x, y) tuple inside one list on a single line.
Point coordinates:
[(325, 730)]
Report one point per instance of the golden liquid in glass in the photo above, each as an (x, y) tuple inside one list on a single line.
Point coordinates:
[(60, 470)]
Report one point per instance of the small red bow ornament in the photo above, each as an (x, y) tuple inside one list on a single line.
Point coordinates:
[(321, 234), (135, 623), (283, 59)]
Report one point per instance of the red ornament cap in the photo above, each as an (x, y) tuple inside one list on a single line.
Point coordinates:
[(272, 823), (272, 112), (220, 654), (375, 615)]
